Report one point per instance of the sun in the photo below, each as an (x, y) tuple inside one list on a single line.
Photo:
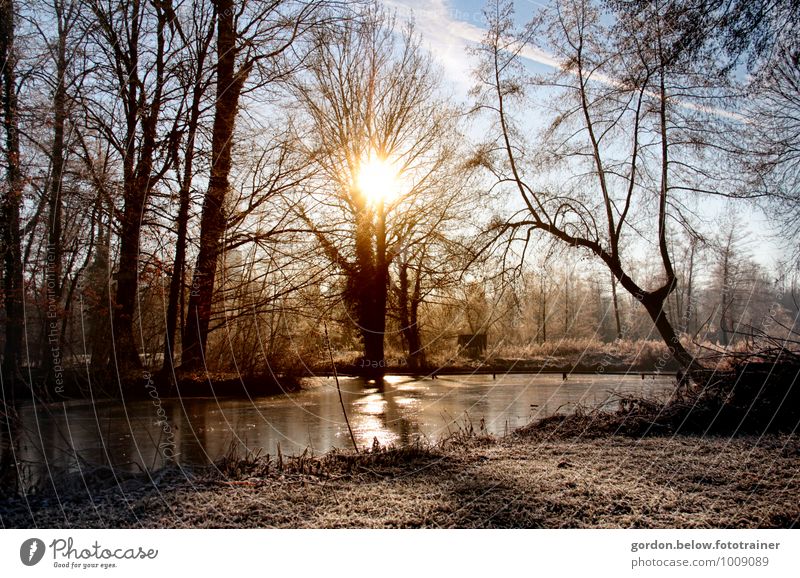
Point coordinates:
[(378, 180)]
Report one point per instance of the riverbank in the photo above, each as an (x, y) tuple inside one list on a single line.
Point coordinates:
[(75, 385), (540, 480), (702, 459), (80, 384)]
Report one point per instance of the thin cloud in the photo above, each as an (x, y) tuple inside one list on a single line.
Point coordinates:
[(451, 31), (450, 34)]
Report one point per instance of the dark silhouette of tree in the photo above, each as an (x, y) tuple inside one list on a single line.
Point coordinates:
[(253, 39), (133, 42), (62, 79), (11, 248), (195, 79), (370, 100)]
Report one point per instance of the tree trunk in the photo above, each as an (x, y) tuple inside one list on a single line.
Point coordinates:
[(372, 331), (370, 306), (54, 248), (368, 288), (543, 311), (687, 316), (139, 181), (566, 305), (409, 301), (654, 305), (372, 325), (9, 469), (616, 306), (726, 301), (12, 203), (374, 328), (126, 356), (212, 221), (417, 354), (176, 282), (97, 314), (403, 306)]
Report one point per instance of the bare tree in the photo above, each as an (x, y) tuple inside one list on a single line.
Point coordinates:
[(632, 120), (11, 248), (51, 61), (384, 146), (772, 140), (195, 75), (761, 35), (253, 39), (133, 43), (428, 269)]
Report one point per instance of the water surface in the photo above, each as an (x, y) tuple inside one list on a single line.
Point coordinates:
[(197, 431)]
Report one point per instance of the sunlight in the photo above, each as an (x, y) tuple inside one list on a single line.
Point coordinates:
[(378, 180)]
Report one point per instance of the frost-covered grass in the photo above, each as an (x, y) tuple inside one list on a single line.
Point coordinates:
[(540, 480)]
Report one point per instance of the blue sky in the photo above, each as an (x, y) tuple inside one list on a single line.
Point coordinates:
[(450, 27)]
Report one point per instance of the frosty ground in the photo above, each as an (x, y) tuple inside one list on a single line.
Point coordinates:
[(534, 480)]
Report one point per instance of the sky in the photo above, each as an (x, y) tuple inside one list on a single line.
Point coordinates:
[(449, 28)]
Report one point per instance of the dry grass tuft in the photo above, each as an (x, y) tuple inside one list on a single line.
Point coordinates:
[(335, 464)]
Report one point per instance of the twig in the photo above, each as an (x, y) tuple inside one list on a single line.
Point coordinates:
[(338, 388)]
